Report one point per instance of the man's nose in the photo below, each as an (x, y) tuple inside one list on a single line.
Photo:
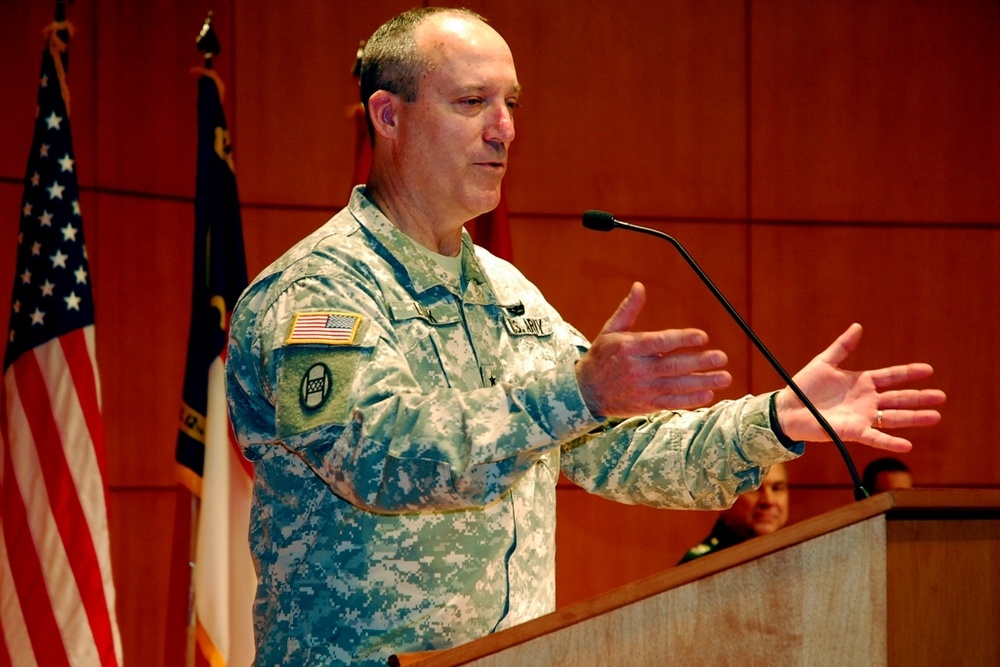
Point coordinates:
[(501, 126)]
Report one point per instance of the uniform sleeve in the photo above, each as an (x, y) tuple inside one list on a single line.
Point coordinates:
[(365, 415), (697, 459)]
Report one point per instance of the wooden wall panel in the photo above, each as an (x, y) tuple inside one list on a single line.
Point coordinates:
[(141, 267), (141, 522), (868, 115), (10, 204), (267, 233), (623, 109), (147, 95), (585, 275), (925, 293), (295, 97), (875, 110)]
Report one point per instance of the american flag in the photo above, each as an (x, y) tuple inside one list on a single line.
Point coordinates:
[(331, 328), (57, 596)]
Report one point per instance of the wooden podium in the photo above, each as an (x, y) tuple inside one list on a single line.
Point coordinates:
[(903, 578)]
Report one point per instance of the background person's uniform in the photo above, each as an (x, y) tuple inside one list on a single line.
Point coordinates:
[(721, 537), (405, 427)]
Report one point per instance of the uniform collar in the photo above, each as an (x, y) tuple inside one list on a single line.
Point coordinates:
[(423, 272)]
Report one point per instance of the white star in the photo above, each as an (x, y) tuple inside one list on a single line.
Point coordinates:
[(59, 259), (53, 121), (37, 317), (43, 151), (69, 232), (45, 81), (72, 301), (12, 335), (45, 219), (47, 288), (36, 179), (26, 277), (81, 276), (36, 248), (26, 210), (76, 207), (17, 306), (55, 192), (66, 163)]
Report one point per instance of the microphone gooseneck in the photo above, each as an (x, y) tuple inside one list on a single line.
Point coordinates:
[(605, 222)]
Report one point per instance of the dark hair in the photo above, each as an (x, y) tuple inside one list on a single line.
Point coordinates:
[(879, 466), (391, 60)]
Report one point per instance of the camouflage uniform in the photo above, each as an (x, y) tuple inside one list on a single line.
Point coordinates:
[(407, 432)]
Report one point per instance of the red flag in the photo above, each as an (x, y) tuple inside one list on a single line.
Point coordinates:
[(57, 596)]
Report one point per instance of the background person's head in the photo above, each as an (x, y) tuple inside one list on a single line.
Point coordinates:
[(763, 510), (886, 474)]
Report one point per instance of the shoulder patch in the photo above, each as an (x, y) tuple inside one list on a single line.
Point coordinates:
[(324, 328)]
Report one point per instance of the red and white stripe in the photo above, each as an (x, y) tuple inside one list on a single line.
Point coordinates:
[(57, 596), (225, 581)]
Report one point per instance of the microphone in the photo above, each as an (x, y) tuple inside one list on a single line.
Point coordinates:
[(603, 221)]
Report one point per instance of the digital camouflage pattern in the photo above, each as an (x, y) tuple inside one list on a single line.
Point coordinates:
[(407, 434)]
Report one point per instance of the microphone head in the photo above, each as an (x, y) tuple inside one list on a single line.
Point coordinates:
[(601, 221)]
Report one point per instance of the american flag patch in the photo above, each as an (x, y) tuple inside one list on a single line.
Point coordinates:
[(330, 328)]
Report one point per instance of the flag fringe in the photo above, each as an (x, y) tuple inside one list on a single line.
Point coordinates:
[(57, 47)]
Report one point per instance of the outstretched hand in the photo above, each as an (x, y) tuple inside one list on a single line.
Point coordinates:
[(851, 401), (626, 373)]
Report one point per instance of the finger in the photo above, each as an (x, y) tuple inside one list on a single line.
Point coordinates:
[(693, 382), (667, 343), (893, 419), (893, 375), (679, 364), (882, 440), (846, 343), (628, 310), (909, 399)]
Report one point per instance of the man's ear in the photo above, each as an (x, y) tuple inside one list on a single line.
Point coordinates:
[(383, 109)]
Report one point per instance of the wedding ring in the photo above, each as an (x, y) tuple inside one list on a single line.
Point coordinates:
[(878, 419)]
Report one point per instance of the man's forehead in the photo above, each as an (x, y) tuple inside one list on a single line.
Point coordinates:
[(776, 473)]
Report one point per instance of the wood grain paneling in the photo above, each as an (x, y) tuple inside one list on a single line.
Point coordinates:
[(862, 117), (929, 559), (923, 294), (295, 96), (267, 233), (141, 269), (140, 523), (637, 107), (875, 110), (586, 274), (146, 94)]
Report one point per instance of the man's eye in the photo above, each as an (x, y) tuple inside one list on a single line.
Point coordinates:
[(472, 101), (513, 104)]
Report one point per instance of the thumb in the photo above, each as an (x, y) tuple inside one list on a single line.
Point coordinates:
[(628, 311)]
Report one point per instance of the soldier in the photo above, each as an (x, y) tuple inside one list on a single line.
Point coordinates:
[(408, 400), (758, 512), (886, 474)]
